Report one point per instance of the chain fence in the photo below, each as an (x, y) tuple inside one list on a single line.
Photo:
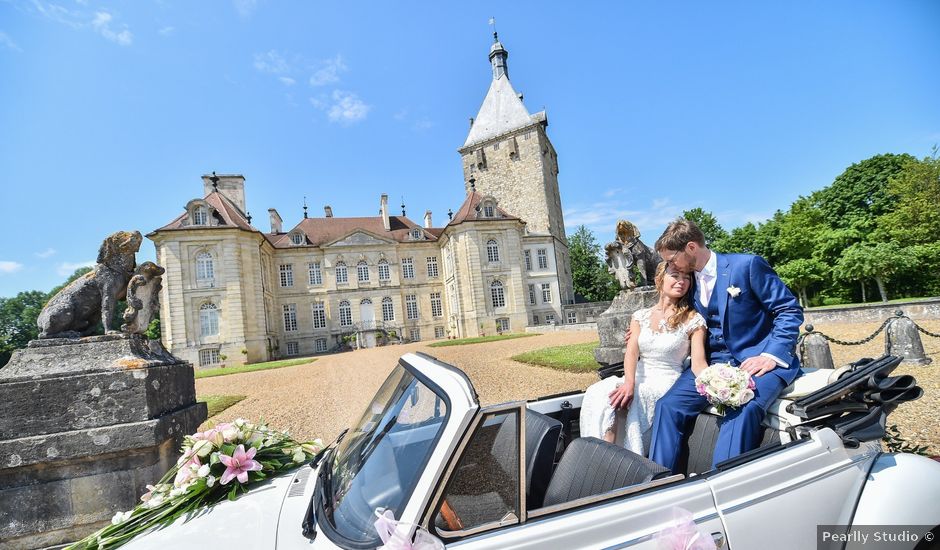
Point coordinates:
[(897, 315)]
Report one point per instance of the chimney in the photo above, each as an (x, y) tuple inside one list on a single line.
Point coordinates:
[(383, 209), (275, 221), (328, 211), (427, 218)]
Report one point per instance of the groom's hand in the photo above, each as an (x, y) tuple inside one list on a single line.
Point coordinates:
[(621, 397), (759, 365), (626, 337)]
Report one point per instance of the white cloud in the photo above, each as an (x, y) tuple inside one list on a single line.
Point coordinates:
[(8, 42), (245, 8), (67, 268), (271, 62), (329, 72), (60, 14), (102, 24), (9, 267), (347, 108), (166, 31), (45, 253), (287, 81)]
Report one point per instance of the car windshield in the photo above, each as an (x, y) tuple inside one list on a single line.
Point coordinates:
[(378, 462)]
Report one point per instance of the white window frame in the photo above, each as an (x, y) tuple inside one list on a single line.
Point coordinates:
[(433, 270), (209, 357), (411, 307), (297, 239), (549, 318), (385, 274), (342, 273), (532, 296), (292, 349), (345, 314), (362, 271), (320, 345), (497, 294), (205, 267), (200, 215), (571, 317), (502, 324), (414, 334), (208, 319), (546, 293), (290, 317), (407, 268), (489, 211), (319, 315), (314, 274), (286, 272), (437, 305), (542, 254), (388, 309), (528, 259), (492, 251)]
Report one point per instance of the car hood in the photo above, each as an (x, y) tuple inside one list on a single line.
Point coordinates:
[(250, 521)]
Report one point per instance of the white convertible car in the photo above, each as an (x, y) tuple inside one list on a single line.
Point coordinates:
[(517, 475)]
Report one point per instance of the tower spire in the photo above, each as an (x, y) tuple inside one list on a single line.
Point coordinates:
[(498, 58)]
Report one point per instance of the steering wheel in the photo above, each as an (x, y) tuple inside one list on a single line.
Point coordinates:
[(450, 517)]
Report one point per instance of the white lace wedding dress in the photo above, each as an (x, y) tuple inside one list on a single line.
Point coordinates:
[(662, 352)]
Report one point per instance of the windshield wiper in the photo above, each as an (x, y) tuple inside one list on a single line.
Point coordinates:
[(309, 524)]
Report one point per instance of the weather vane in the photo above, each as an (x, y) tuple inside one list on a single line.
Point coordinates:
[(493, 24)]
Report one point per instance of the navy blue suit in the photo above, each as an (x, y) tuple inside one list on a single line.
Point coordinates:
[(764, 317)]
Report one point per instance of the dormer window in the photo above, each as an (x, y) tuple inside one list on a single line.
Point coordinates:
[(297, 238), (416, 234), (488, 211), (200, 216)]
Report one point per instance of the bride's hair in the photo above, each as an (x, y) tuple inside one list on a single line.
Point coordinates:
[(684, 309)]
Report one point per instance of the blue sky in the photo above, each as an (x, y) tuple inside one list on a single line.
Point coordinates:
[(111, 111)]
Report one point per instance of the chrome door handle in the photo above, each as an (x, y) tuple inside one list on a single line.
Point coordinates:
[(719, 539)]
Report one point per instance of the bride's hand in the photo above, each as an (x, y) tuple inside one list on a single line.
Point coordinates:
[(621, 397)]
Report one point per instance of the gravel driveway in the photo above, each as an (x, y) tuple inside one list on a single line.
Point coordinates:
[(322, 398)]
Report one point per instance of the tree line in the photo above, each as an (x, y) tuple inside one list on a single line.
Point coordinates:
[(873, 233)]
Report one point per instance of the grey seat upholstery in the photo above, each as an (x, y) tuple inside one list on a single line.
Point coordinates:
[(541, 440), (591, 466), (695, 454)]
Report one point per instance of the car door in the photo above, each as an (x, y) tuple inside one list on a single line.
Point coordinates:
[(483, 490)]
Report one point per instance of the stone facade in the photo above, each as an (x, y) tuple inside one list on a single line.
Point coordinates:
[(235, 294)]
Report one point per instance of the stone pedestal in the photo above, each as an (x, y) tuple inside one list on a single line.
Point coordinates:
[(85, 425), (816, 352), (904, 341), (613, 323)]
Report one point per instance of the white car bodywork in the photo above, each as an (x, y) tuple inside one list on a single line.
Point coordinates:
[(774, 500)]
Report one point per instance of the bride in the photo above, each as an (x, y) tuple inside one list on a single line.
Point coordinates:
[(652, 363)]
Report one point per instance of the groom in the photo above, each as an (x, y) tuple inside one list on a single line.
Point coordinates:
[(753, 321)]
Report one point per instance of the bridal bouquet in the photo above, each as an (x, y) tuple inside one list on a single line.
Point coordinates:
[(216, 464), (725, 386)]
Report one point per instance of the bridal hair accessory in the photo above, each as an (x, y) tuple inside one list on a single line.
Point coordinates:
[(734, 291), (725, 386), (387, 528)]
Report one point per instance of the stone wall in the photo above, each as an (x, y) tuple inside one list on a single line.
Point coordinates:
[(872, 313)]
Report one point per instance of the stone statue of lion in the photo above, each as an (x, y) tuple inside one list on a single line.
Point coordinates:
[(76, 309)]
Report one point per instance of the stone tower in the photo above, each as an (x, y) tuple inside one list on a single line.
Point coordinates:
[(510, 157)]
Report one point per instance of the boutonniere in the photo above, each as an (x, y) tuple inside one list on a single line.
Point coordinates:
[(733, 291)]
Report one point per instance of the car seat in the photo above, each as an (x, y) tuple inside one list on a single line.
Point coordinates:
[(541, 440)]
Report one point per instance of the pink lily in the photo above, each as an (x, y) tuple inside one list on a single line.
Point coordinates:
[(239, 464)]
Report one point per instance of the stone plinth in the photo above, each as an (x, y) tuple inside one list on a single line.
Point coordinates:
[(613, 323), (85, 425)]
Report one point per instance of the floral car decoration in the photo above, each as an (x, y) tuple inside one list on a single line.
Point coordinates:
[(219, 463)]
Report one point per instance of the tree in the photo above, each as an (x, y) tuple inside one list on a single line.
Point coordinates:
[(800, 274), (707, 222), (878, 261), (588, 272), (18, 321), (860, 194), (915, 217)]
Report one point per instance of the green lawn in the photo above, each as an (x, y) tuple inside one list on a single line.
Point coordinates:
[(479, 340), (218, 403), (573, 358), (208, 373)]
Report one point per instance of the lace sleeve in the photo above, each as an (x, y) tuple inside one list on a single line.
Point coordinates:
[(642, 316), (695, 322)]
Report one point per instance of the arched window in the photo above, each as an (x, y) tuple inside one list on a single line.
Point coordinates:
[(497, 294), (492, 251), (205, 267), (200, 216), (416, 234), (209, 319), (362, 270), (341, 274), (384, 273), (345, 314), (388, 309), (297, 238)]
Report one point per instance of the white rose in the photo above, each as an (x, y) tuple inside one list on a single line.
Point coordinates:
[(202, 448), (203, 470), (121, 517), (210, 481)]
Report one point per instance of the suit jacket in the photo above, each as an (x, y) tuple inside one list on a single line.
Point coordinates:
[(764, 317)]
